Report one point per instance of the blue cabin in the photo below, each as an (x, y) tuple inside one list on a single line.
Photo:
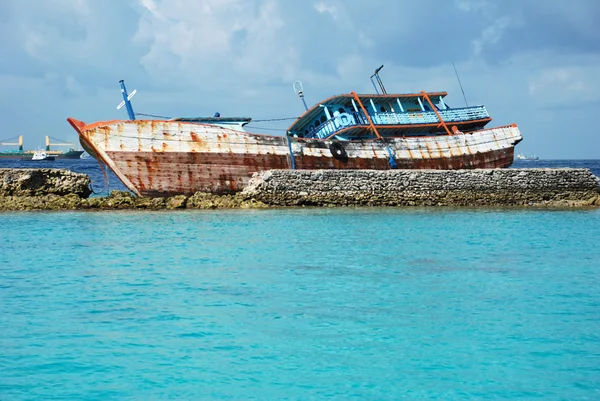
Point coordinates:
[(359, 117)]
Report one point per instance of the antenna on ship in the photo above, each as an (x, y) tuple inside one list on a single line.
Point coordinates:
[(459, 83), (126, 100), (299, 90), (376, 76)]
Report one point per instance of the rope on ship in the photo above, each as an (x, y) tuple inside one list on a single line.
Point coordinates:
[(292, 159), (256, 121), (249, 126), (391, 160), (266, 129), (267, 120), (153, 115), (106, 181), (276, 119)]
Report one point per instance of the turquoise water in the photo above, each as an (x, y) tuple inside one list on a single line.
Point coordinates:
[(300, 304)]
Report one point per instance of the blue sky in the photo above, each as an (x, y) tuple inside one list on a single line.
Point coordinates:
[(532, 62)]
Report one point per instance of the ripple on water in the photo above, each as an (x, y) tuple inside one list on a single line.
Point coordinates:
[(371, 303)]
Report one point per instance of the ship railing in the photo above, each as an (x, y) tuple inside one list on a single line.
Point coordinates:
[(430, 117), (337, 123), (325, 129), (344, 120), (425, 117), (465, 114)]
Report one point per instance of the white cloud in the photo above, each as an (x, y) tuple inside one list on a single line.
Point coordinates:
[(323, 8), (566, 85), (199, 39), (241, 56), (473, 5), (34, 44), (365, 40), (495, 23), (150, 5), (491, 34)]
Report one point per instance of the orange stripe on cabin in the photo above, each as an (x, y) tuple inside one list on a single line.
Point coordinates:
[(366, 114), (436, 112)]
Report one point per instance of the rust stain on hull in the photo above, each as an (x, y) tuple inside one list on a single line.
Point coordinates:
[(167, 174), (163, 158)]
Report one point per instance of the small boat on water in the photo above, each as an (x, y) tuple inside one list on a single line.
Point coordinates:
[(380, 131), (41, 155), (521, 156), (21, 154)]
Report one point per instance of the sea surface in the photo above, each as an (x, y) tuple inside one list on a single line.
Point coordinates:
[(340, 303)]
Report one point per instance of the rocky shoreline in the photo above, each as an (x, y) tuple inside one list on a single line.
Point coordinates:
[(119, 200), (50, 189)]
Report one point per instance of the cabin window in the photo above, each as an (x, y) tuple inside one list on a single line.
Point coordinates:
[(383, 110), (317, 123), (323, 119), (341, 110)]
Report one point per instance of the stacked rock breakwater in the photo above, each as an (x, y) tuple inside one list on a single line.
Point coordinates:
[(42, 182), (50, 189), (498, 187)]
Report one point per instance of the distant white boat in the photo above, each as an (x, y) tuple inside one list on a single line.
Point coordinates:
[(521, 156), (40, 155)]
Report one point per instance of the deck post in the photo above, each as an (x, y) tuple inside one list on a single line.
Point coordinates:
[(400, 105), (442, 122), (367, 116), (443, 103), (375, 111), (289, 143), (327, 114), (391, 159), (126, 99)]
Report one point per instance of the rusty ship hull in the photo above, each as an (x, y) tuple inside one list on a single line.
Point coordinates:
[(165, 158)]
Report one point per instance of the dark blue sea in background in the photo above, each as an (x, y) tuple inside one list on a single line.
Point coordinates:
[(365, 303), (90, 167), (87, 166)]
